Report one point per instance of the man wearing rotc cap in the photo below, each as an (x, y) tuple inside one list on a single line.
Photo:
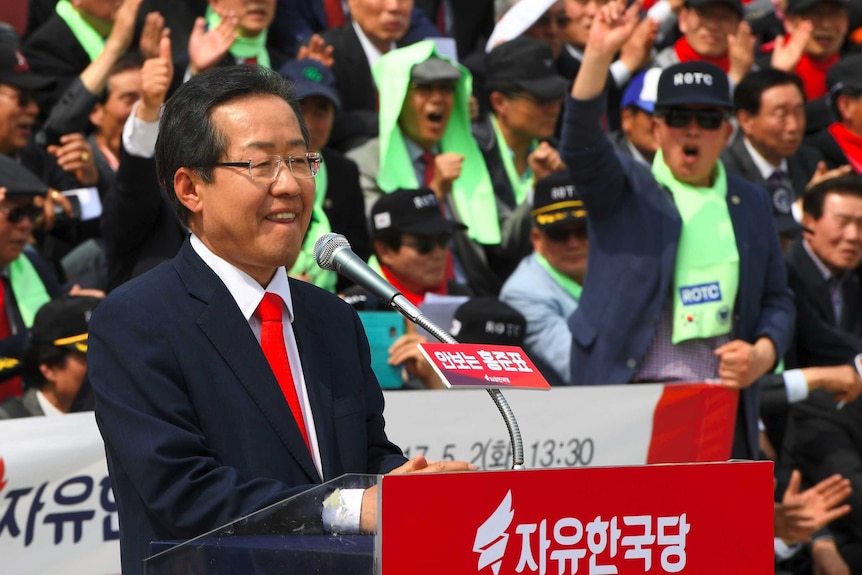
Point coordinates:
[(686, 279), (546, 286), (55, 361)]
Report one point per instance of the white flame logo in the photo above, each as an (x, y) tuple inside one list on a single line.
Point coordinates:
[(491, 537)]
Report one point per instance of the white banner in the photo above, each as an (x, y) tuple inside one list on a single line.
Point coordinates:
[(57, 512)]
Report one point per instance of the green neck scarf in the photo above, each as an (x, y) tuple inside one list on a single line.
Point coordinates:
[(472, 192), (322, 183), (521, 185), (706, 273), (242, 47), (30, 292), (87, 36), (571, 286)]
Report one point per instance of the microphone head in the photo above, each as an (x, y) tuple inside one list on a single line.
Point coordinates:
[(325, 248)]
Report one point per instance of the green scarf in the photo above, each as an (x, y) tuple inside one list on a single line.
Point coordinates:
[(571, 286), (473, 192), (706, 274), (521, 185), (243, 47), (319, 226), (86, 35), (30, 292)]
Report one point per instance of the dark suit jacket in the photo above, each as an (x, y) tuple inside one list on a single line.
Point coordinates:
[(197, 431), (139, 226), (800, 167), (472, 22), (832, 152), (344, 204)]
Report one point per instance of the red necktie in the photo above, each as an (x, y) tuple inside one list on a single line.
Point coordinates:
[(272, 341), (428, 160), (441, 17), (334, 13), (252, 60), (12, 386)]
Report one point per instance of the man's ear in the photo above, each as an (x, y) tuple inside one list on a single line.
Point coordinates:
[(383, 252), (97, 115), (186, 187), (498, 102)]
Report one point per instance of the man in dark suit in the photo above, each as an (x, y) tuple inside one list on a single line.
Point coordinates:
[(823, 271), (767, 149), (219, 386)]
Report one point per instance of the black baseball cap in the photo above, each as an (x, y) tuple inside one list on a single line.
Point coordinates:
[(555, 201), (434, 69), (18, 180), (690, 83), (311, 78), (63, 322), (488, 320), (802, 6), (15, 71), (735, 4), (529, 65), (846, 74), (411, 211)]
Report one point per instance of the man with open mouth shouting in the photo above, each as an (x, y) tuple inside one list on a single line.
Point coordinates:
[(685, 280)]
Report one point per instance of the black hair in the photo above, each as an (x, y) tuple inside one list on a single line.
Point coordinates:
[(812, 201), (748, 94), (187, 136)]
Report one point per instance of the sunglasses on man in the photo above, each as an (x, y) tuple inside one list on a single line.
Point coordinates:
[(707, 119), (426, 244), (560, 234), (16, 214)]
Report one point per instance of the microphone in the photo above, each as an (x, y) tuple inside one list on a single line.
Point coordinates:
[(332, 252)]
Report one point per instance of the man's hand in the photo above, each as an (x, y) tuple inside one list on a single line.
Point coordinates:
[(822, 174), (799, 515), (611, 27), (545, 160), (317, 49), (207, 47), (368, 514), (787, 53), (405, 350), (741, 363), (156, 77), (151, 35), (123, 28), (842, 381), (447, 169), (89, 292), (637, 50), (75, 156), (740, 52), (826, 558)]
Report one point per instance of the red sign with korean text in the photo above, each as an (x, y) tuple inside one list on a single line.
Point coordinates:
[(700, 519), (484, 366)]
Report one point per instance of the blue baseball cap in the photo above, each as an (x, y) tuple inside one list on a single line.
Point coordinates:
[(311, 78), (642, 91)]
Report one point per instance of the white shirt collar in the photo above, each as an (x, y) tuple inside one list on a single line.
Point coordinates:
[(763, 166), (372, 54), (575, 53), (242, 287), (48, 408)]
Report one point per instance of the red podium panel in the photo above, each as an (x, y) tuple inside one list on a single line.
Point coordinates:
[(703, 519)]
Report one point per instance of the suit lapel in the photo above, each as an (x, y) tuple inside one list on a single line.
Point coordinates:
[(813, 281), (222, 323), (744, 163), (738, 213)]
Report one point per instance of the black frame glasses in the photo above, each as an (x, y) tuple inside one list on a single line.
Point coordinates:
[(426, 244), (18, 213), (706, 118), (266, 170)]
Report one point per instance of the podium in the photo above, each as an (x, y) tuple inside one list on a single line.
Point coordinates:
[(702, 518)]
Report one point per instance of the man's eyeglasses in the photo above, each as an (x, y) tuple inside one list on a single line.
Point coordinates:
[(266, 170), (708, 119), (426, 244), (561, 235), (23, 97), (16, 214)]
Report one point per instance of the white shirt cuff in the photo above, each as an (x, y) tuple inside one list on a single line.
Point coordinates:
[(139, 137), (621, 74), (796, 385), (783, 551), (341, 511)]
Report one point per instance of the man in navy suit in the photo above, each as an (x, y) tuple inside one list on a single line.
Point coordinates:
[(686, 280), (199, 429)]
